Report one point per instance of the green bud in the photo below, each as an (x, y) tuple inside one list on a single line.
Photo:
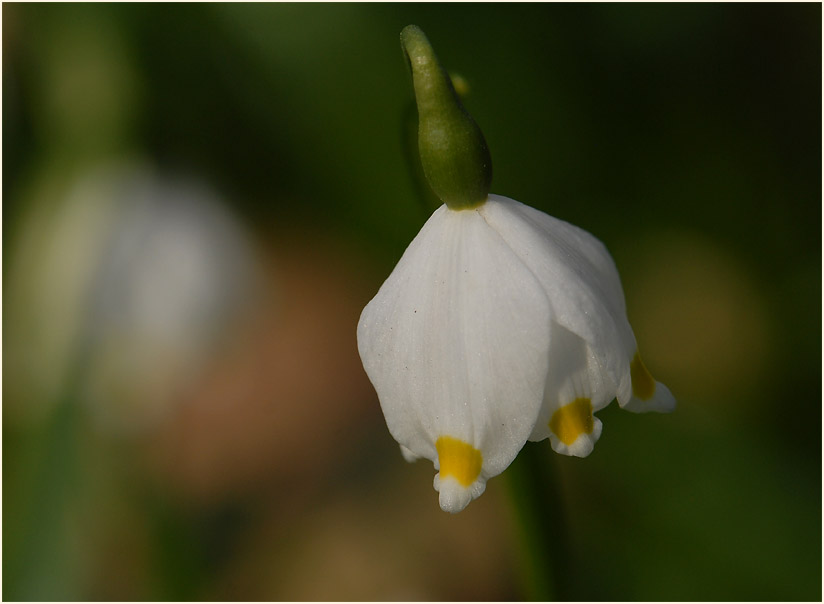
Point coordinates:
[(453, 150)]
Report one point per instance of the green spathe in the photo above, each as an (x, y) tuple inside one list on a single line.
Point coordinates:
[(454, 155)]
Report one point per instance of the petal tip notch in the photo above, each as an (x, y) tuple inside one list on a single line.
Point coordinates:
[(662, 401), (453, 496), (459, 479), (573, 430), (408, 455), (647, 394)]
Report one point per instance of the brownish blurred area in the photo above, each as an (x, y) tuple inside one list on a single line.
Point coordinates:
[(280, 402)]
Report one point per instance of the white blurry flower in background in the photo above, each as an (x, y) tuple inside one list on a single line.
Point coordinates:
[(131, 279)]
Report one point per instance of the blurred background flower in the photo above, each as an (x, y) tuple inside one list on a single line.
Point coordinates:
[(198, 200)]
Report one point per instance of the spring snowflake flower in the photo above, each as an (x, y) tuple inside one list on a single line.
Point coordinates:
[(500, 324)]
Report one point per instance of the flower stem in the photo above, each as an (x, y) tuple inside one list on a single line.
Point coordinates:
[(42, 566), (540, 512)]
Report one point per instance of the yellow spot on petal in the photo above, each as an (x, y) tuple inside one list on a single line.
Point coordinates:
[(458, 459), (572, 420), (643, 384)]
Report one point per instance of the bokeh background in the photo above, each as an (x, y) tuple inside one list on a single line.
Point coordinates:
[(198, 200)]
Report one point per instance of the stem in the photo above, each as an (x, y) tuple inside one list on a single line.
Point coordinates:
[(540, 512), (42, 565)]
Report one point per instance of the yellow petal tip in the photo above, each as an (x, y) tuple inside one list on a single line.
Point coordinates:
[(572, 420), (458, 459)]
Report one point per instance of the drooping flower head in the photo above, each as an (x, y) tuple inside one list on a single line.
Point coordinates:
[(500, 324)]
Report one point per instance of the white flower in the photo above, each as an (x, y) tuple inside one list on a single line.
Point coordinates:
[(500, 324), (138, 275)]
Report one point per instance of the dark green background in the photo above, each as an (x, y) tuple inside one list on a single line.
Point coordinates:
[(686, 137)]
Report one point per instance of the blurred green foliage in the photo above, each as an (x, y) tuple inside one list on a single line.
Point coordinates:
[(686, 137)]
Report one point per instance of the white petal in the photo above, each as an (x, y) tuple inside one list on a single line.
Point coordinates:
[(575, 388), (408, 455), (456, 344), (647, 394), (453, 496), (583, 444), (579, 277), (662, 401)]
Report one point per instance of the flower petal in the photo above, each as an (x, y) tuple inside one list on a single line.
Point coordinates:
[(575, 388), (647, 394), (456, 343), (580, 279)]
